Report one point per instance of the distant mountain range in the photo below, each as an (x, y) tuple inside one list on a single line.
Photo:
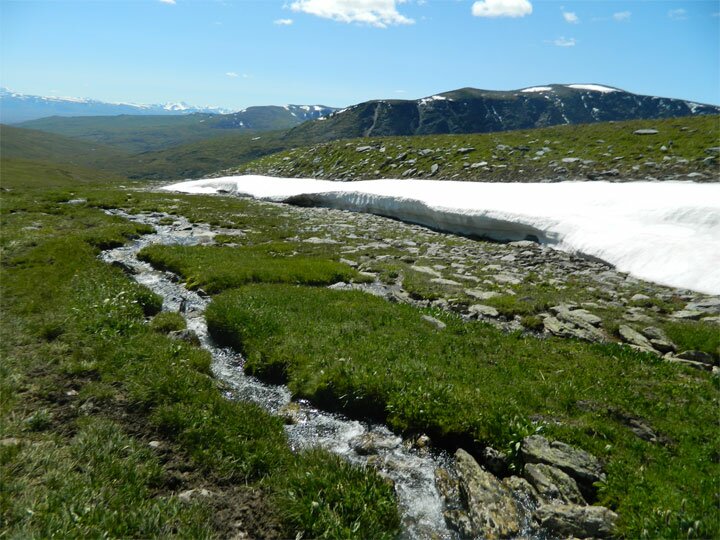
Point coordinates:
[(470, 110), (15, 107)]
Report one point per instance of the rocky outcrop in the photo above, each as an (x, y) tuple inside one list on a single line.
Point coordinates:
[(552, 484), (584, 468), (490, 510)]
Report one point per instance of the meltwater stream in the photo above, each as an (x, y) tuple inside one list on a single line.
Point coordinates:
[(412, 470)]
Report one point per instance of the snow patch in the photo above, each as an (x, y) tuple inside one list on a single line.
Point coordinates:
[(593, 88), (533, 89), (665, 232)]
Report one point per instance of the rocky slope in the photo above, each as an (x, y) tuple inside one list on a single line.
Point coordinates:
[(679, 148)]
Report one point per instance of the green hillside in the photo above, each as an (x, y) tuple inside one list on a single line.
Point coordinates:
[(131, 133), (681, 147), (29, 144)]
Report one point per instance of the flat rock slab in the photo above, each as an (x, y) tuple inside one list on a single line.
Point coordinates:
[(552, 484)]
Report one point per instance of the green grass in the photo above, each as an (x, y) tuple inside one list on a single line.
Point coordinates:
[(695, 336), (214, 268), (86, 382), (168, 321), (354, 352)]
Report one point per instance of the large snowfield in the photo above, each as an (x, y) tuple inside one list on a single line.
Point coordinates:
[(666, 232)]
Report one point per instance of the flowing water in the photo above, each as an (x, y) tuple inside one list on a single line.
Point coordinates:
[(411, 469)]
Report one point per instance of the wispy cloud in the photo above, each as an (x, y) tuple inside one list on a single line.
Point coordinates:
[(677, 14), (377, 13), (564, 42), (622, 16), (501, 8), (231, 74), (571, 17), (283, 22), (171, 2)]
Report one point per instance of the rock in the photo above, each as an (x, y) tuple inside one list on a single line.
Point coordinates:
[(437, 323), (492, 511), (634, 338), (713, 150), (292, 414), (481, 295), (478, 164), (570, 160), (507, 278), (363, 148), (186, 335), (372, 443), (479, 310), (697, 356), (76, 201), (568, 330), (640, 299), (708, 305), (645, 132), (427, 270), (580, 465), (522, 490), (658, 339), (577, 521), (578, 317), (552, 484), (434, 168), (495, 461), (188, 495), (687, 314), (155, 444), (443, 281), (465, 150)]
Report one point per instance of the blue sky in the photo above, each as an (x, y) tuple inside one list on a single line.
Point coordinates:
[(235, 54)]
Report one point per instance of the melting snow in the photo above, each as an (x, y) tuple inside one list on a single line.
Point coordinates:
[(665, 232), (430, 99), (593, 87)]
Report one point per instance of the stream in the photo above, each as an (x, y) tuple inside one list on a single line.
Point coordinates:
[(411, 469)]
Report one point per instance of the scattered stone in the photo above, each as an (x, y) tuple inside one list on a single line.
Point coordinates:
[(77, 201), (480, 310), (687, 314), (707, 305), (577, 521), (292, 414), (448, 282), (491, 509), (155, 444), (465, 150), (186, 335), (580, 465), (437, 323), (645, 132), (552, 484), (634, 338), (689, 363), (569, 330), (697, 356), (640, 299), (363, 148), (434, 169), (188, 495), (495, 461), (426, 270), (658, 339), (522, 490), (372, 443), (481, 295), (578, 317)]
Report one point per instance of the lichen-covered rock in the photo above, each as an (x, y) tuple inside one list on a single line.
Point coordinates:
[(577, 521), (552, 484), (578, 464), (491, 508)]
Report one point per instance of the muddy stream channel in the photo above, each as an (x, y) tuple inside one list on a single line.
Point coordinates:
[(411, 468)]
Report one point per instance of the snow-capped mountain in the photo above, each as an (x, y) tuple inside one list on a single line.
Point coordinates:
[(15, 107), (469, 110)]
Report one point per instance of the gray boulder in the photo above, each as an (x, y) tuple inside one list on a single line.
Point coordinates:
[(578, 464), (491, 509), (552, 484), (577, 521), (634, 337)]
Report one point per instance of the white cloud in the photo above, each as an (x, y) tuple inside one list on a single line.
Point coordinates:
[(622, 16), (231, 74), (377, 13), (283, 22), (501, 8), (571, 17), (172, 2), (677, 14), (564, 42)]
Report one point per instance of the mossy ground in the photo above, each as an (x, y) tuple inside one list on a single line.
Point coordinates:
[(87, 384)]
